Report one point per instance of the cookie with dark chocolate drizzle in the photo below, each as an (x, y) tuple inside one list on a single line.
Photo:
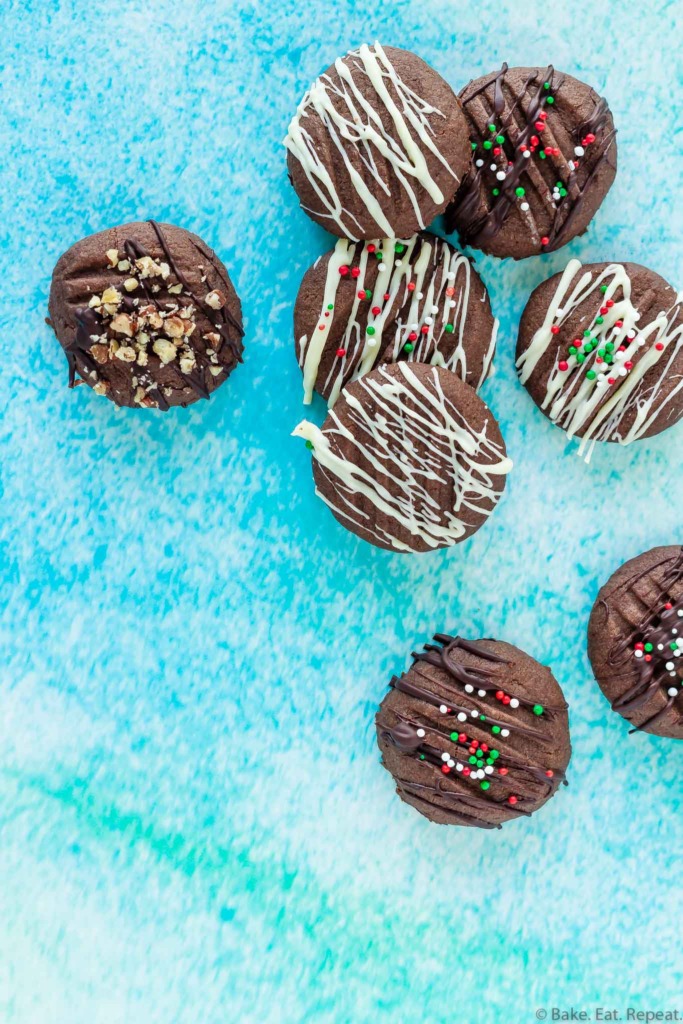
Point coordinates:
[(475, 733), (147, 315), (635, 641), (544, 157)]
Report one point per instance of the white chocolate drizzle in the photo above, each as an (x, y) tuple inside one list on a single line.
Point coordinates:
[(353, 123), (594, 406), (428, 284), (396, 420)]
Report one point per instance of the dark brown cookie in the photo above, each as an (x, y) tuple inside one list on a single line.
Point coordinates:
[(635, 641), (474, 733), (545, 156), (410, 458), (368, 303), (147, 315), (600, 351), (378, 145)]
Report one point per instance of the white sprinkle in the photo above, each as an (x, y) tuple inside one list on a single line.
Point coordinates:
[(501, 175), (514, 703), (679, 613), (481, 693), (526, 154), (579, 150), (429, 320), (524, 206), (672, 691), (445, 756), (669, 666), (458, 767), (504, 733), (443, 709), (660, 647), (488, 770), (469, 688), (478, 163), (450, 762), (462, 717), (475, 714), (382, 267), (435, 309), (420, 733), (399, 263), (450, 276), (638, 654), (493, 167), (452, 303)]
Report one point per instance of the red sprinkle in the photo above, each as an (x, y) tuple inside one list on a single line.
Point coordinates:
[(668, 606), (539, 126), (534, 140), (376, 311), (563, 365), (554, 329), (445, 769), (543, 115), (425, 329), (640, 647), (512, 800), (485, 746), (462, 738), (361, 295), (475, 743), (611, 380), (370, 247), (322, 327), (343, 271), (341, 352), (499, 694), (628, 365), (355, 272), (387, 296), (618, 323), (549, 774), (412, 336), (502, 771), (466, 771), (590, 138), (648, 657), (659, 346), (506, 699), (545, 240), (609, 303), (411, 286), (496, 150)]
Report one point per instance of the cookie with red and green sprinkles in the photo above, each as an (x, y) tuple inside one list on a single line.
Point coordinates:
[(544, 157), (635, 641), (600, 351), (474, 733), (364, 304)]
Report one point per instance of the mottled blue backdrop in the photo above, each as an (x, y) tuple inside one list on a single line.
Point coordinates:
[(194, 826)]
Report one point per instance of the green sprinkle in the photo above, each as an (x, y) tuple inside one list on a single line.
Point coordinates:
[(601, 353), (609, 347), (673, 646), (494, 754), (649, 647), (490, 760), (603, 288), (549, 99), (537, 709), (473, 759), (495, 729), (488, 144), (480, 763), (599, 319), (500, 139), (492, 128), (309, 445), (573, 350), (485, 784), (519, 191), (586, 334), (454, 737), (482, 718), (495, 191), (449, 328), (473, 145), (379, 255), (331, 306), (580, 357), (422, 757), (408, 347), (609, 359), (542, 155), (370, 329), (563, 192), (399, 248), (546, 85), (368, 293), (591, 374)]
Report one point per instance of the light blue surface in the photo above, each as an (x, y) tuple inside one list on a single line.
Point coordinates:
[(194, 827)]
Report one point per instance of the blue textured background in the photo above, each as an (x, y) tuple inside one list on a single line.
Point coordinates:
[(194, 827)]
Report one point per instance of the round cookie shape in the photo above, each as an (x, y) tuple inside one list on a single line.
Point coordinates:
[(378, 145), (545, 156), (635, 641), (147, 315), (474, 733), (600, 351), (368, 303), (410, 458)]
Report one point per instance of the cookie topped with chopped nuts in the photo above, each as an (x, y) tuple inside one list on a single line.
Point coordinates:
[(147, 315)]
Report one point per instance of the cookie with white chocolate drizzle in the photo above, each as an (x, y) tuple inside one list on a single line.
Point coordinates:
[(409, 458), (378, 145), (474, 733), (600, 351), (544, 158), (147, 315), (635, 641), (368, 303)]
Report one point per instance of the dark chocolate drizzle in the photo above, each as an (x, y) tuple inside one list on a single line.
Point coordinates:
[(655, 626), (530, 781), (476, 228), (89, 327)]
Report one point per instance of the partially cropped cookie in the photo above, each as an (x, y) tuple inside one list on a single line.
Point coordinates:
[(600, 351), (474, 733), (410, 458), (635, 641), (378, 145), (368, 303), (147, 315), (545, 156)]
